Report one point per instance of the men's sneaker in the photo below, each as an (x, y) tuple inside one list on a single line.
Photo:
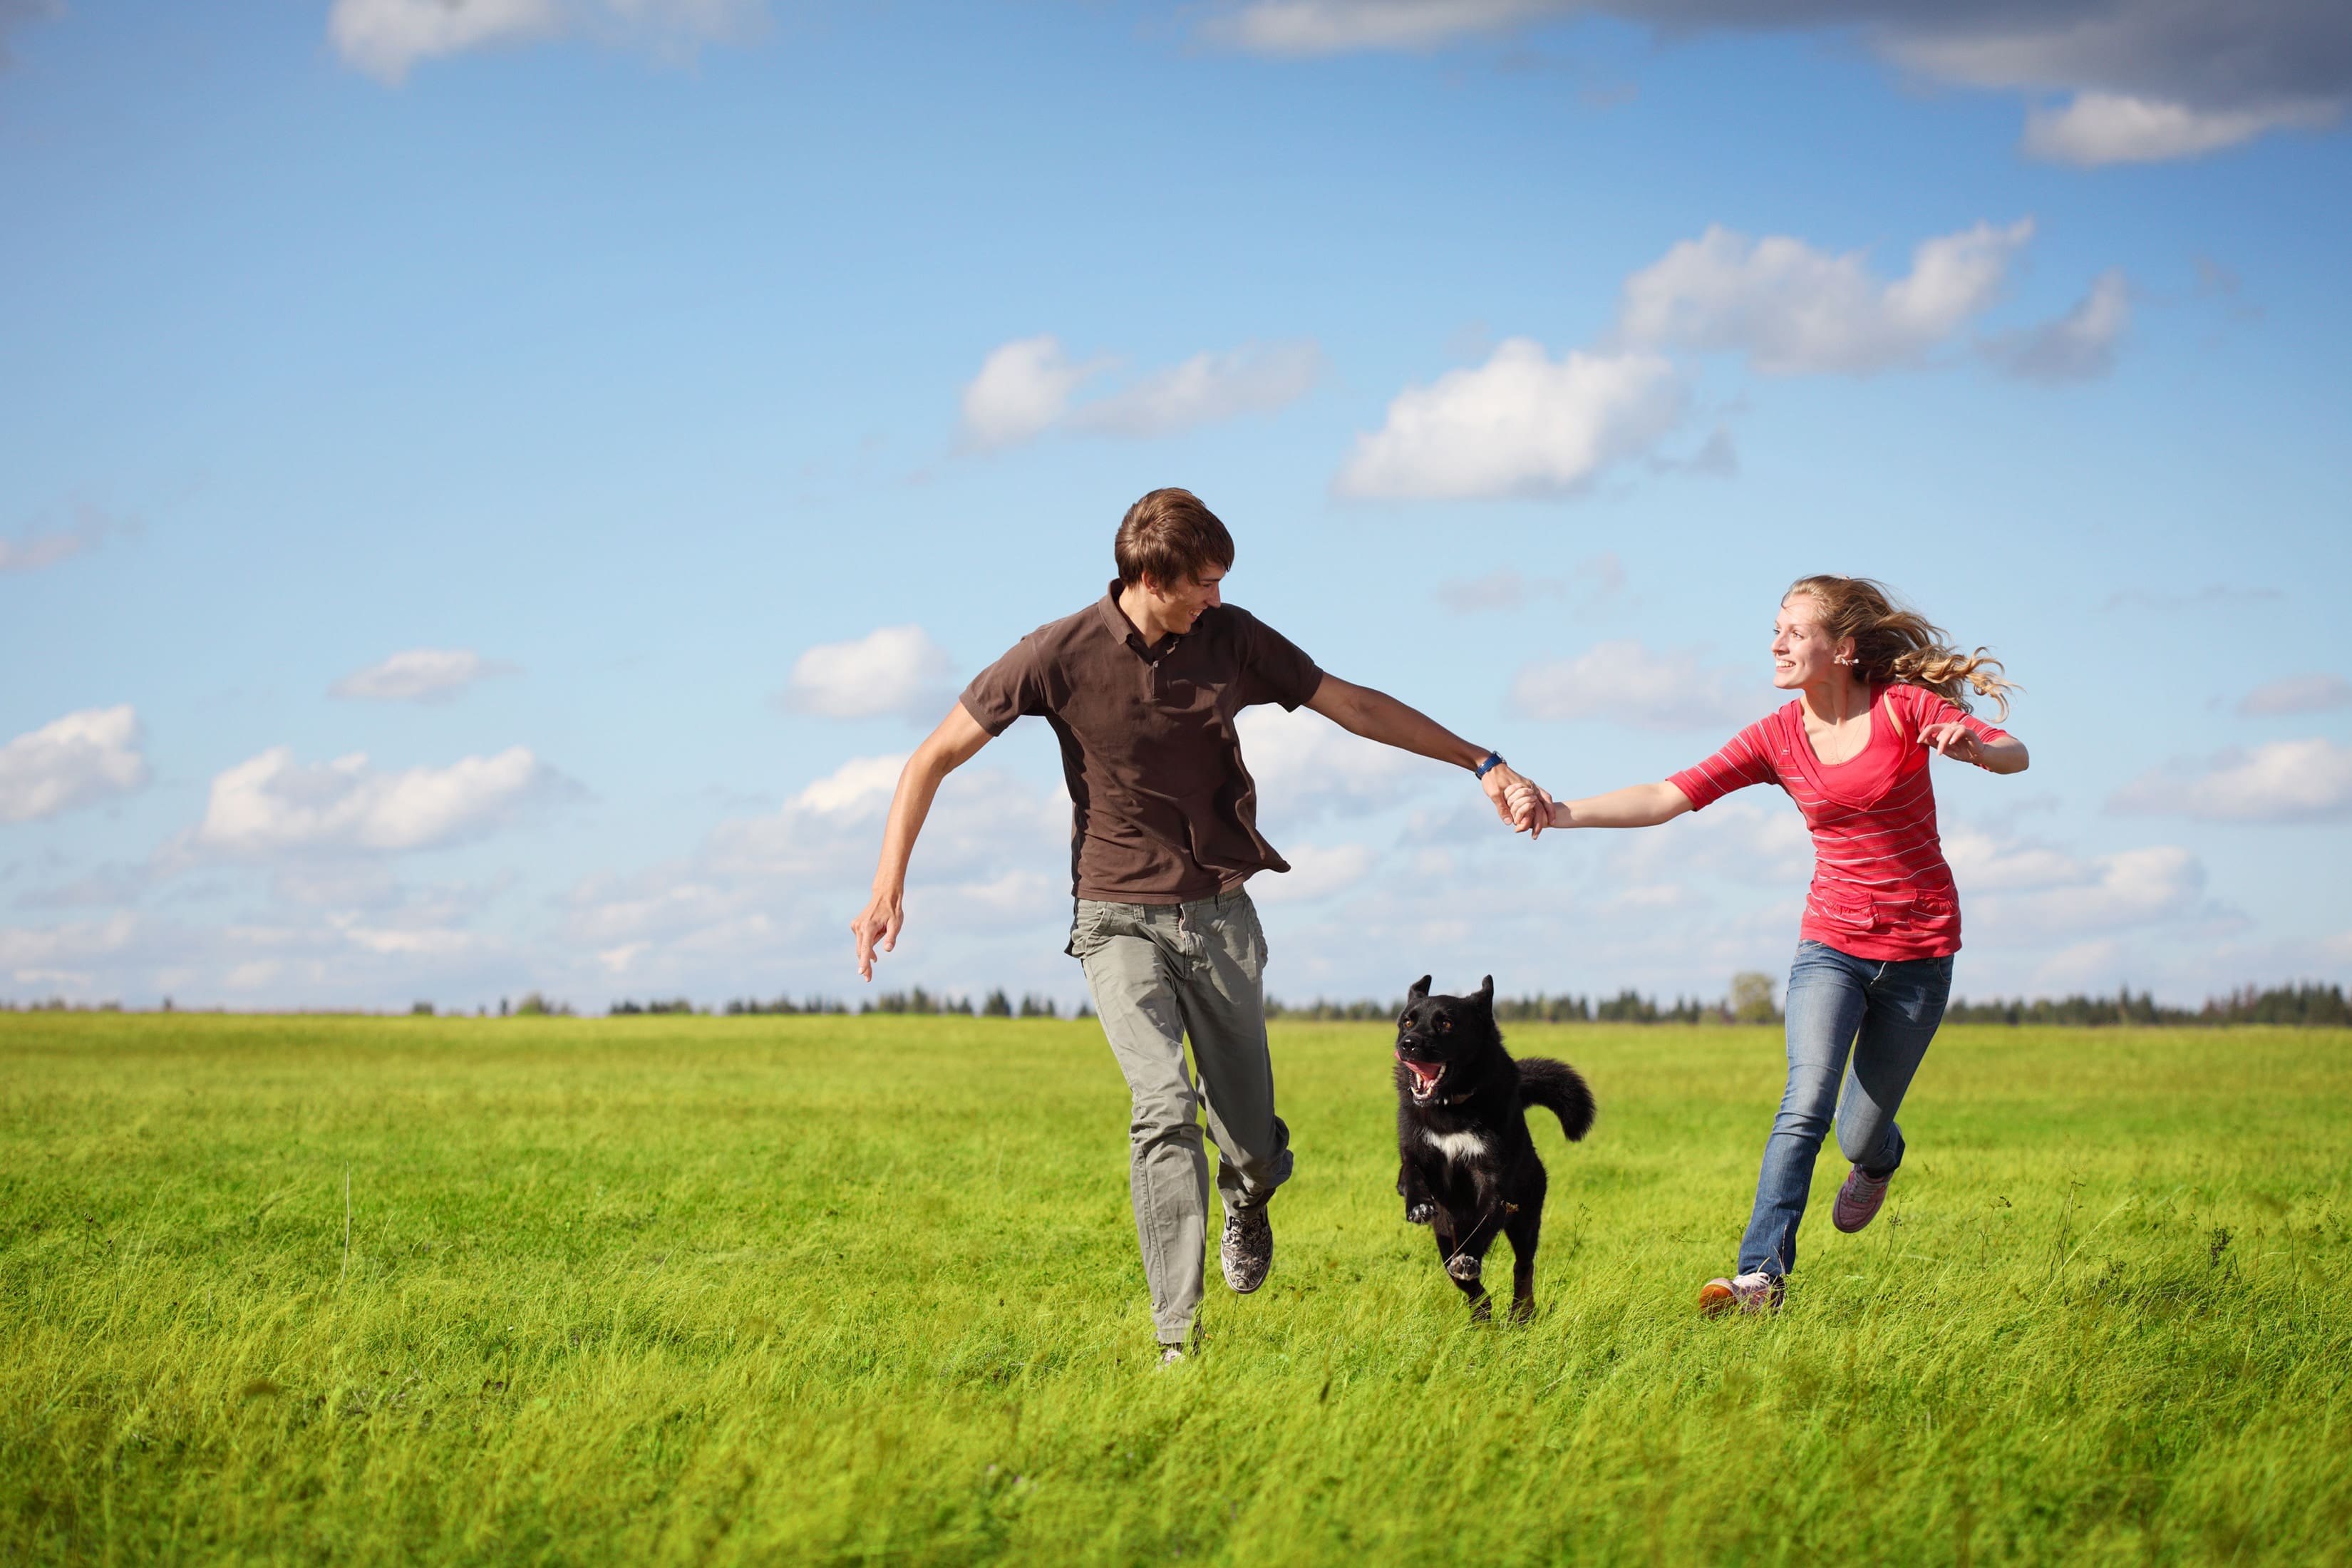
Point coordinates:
[(1169, 1355), (1858, 1200), (1247, 1251), (1758, 1292)]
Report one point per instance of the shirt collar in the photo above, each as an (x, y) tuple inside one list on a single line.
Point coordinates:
[(1121, 629)]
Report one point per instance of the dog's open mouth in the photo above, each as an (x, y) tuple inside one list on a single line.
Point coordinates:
[(1424, 1076)]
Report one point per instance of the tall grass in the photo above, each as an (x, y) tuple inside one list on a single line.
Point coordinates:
[(789, 1290)]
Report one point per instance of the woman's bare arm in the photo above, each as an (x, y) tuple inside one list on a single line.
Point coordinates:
[(1636, 805)]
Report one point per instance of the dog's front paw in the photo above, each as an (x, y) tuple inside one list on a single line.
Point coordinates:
[(1420, 1214), (1463, 1267)]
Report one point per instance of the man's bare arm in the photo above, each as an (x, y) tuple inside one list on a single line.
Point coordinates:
[(955, 742), (1377, 716)]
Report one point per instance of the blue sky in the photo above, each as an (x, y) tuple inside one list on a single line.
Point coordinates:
[(493, 490)]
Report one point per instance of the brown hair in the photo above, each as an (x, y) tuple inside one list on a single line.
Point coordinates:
[(1893, 643), (1169, 536)]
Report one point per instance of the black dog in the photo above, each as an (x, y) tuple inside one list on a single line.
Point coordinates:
[(1469, 1167)]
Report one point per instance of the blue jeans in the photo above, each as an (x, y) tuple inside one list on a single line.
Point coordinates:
[(1886, 1010)]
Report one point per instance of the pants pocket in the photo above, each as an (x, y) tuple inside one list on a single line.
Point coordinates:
[(1089, 931)]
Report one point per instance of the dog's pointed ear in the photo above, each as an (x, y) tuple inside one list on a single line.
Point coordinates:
[(1419, 993), (1487, 994)]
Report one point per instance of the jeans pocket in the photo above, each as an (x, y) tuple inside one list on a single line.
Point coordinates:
[(1089, 931), (1257, 933)]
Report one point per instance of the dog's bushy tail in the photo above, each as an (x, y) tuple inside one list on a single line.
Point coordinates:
[(1558, 1089)]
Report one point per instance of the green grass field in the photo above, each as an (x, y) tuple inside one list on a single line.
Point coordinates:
[(795, 1289)]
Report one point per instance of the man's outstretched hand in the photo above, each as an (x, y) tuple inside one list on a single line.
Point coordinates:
[(1519, 800), (877, 929)]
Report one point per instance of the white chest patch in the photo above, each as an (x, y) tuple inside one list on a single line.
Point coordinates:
[(1460, 1147)]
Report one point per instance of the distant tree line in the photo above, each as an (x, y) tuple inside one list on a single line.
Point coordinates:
[(2308, 1006), (1626, 1007), (752, 1006), (996, 1005), (1750, 1002)]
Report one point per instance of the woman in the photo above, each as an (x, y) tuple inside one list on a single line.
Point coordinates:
[(1880, 687)]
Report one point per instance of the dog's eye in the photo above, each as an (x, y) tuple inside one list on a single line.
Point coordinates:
[(1444, 1025)]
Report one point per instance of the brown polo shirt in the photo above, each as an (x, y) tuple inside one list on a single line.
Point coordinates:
[(1163, 811)]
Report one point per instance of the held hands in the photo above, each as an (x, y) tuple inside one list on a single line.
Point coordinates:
[(1536, 801), (877, 927), (1519, 800)]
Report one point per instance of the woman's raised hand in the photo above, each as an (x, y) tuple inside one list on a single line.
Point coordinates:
[(1955, 740)]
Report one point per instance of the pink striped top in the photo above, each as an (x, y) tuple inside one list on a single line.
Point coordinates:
[(1881, 889)]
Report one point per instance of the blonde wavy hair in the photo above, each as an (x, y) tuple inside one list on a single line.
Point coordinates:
[(1894, 643)]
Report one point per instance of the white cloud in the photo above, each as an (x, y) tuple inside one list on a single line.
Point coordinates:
[(982, 823), (2078, 345), (1023, 390), (1316, 872), (1255, 378), (2097, 128), (1794, 310), (1028, 387), (860, 786), (2153, 80), (2284, 782), (2134, 888), (65, 956), (1333, 27), (1984, 861), (417, 675), (1755, 842), (386, 38), (822, 831), (69, 762), (404, 945), (1632, 685), (774, 892), (2298, 694), (891, 670), (1305, 765), (1521, 425), (271, 804)]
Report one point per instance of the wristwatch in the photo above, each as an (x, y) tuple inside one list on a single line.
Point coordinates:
[(1494, 760)]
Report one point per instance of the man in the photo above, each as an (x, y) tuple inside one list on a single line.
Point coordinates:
[(1141, 689)]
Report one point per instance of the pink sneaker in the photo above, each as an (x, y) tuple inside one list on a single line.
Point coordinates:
[(1758, 1292), (1858, 1200)]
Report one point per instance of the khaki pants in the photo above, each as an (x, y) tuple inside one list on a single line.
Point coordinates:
[(1159, 972)]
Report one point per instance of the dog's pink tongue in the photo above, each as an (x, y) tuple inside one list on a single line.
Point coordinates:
[(1427, 1076)]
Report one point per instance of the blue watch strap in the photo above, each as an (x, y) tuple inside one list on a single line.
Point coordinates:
[(1494, 760)]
